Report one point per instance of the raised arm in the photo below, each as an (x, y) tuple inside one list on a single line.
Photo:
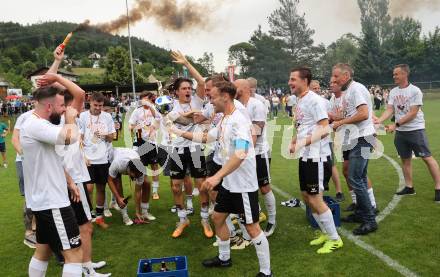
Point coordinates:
[(179, 58)]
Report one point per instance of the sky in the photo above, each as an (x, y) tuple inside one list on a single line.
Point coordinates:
[(232, 21)]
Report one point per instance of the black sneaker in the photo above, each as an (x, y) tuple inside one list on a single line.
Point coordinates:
[(376, 210), (437, 196), (406, 191), (340, 197), (216, 262), (261, 274), (351, 208), (352, 218), (365, 229)]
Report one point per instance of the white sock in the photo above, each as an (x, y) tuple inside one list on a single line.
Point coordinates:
[(353, 197), (224, 249), (372, 198), (72, 270), (263, 253), (37, 268), (329, 225), (243, 230), (189, 201), (155, 186), (316, 217), (269, 201), (145, 207), (124, 211), (204, 213), (88, 268), (181, 213), (231, 226)]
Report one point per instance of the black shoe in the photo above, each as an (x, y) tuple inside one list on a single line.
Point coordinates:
[(340, 197), (351, 208), (406, 191), (365, 229), (261, 274), (437, 196), (216, 262), (352, 218)]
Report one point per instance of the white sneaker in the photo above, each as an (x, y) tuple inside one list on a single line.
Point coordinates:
[(5, 165), (99, 265), (127, 221), (147, 215), (107, 213), (92, 273), (196, 192), (114, 205)]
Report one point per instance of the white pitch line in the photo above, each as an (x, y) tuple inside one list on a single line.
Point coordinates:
[(356, 240)]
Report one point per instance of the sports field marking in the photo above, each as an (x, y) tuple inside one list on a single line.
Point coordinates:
[(356, 240)]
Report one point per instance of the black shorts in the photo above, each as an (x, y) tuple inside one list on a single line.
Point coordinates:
[(164, 158), (58, 228), (346, 155), (263, 169), (148, 153), (244, 204), (314, 176), (412, 141), (212, 168), (195, 161), (2, 147), (98, 173), (81, 208)]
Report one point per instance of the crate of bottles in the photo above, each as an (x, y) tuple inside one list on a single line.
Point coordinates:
[(163, 267), (333, 206)]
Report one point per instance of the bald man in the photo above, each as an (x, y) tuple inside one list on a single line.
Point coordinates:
[(258, 115)]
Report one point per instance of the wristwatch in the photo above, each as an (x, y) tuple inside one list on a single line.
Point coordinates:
[(397, 124)]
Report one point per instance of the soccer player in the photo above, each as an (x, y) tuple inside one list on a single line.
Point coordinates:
[(190, 154), (405, 102), (46, 187), (316, 88), (258, 116), (336, 113), (359, 144), (97, 130), (128, 162), (311, 145), (144, 122), (3, 133), (238, 193)]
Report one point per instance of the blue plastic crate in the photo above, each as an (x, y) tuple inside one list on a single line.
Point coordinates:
[(145, 267), (334, 207)]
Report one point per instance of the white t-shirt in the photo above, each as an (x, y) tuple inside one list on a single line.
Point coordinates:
[(73, 159), (20, 120), (275, 100), (402, 99), (355, 96), (311, 109), (215, 118), (259, 97), (119, 165), (257, 113), (291, 100), (236, 127), (44, 179), (143, 119), (179, 109), (96, 150)]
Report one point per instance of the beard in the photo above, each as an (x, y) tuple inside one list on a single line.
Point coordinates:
[(55, 118)]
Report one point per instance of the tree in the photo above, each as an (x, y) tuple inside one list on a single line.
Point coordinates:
[(27, 68), (87, 79), (374, 14), (207, 61), (238, 55), (85, 62), (289, 26), (118, 66)]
